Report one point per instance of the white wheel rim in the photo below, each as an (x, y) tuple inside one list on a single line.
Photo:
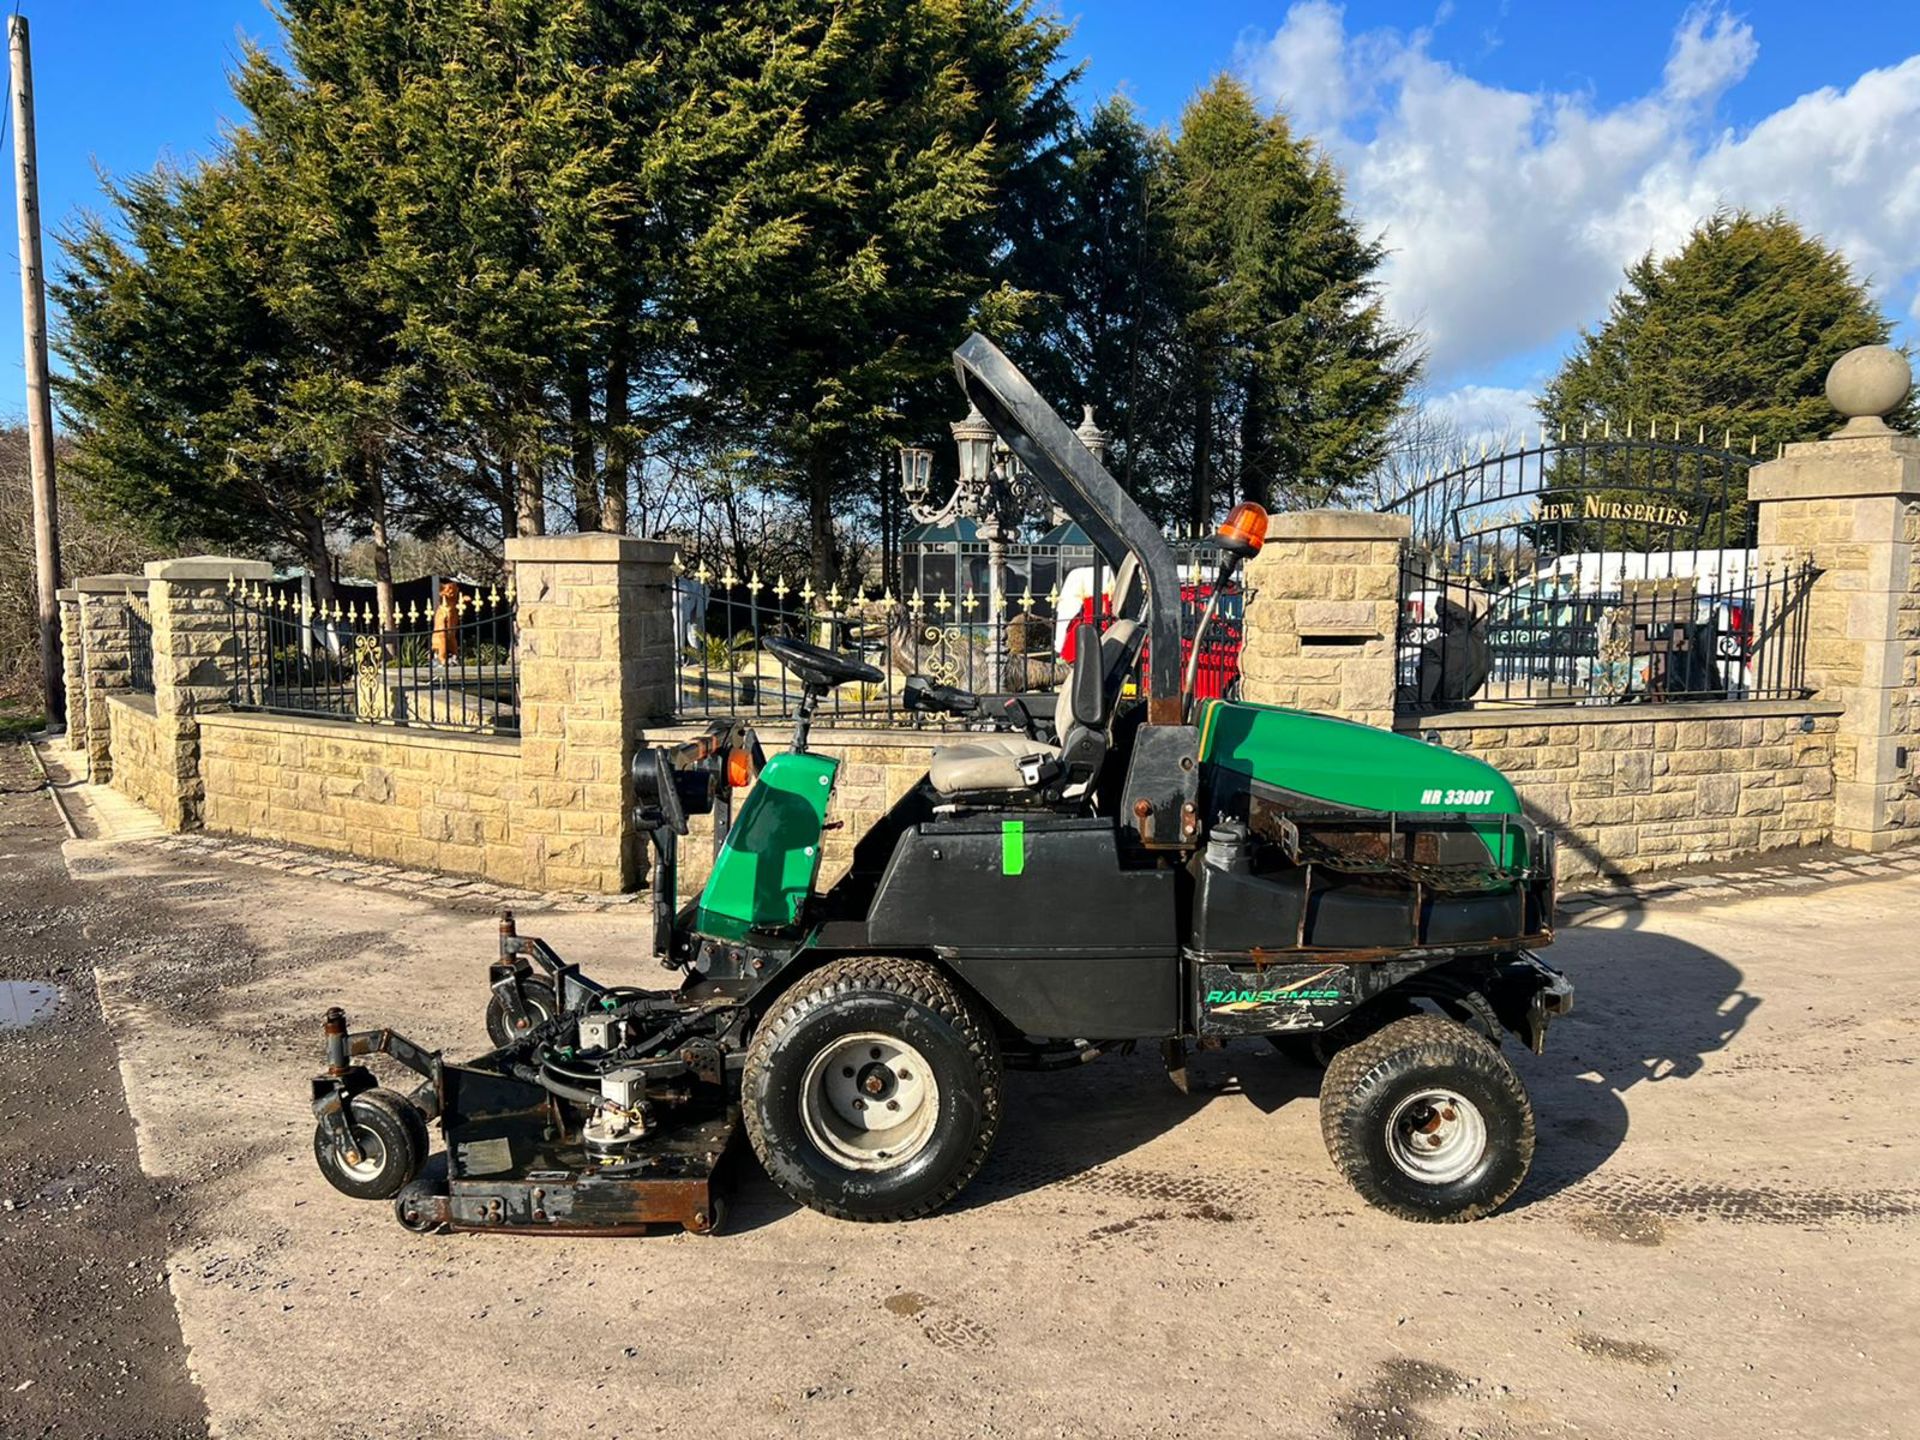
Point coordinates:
[(373, 1155), (869, 1101), (1436, 1136)]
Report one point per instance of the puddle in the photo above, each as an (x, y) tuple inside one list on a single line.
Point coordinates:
[(23, 1003)]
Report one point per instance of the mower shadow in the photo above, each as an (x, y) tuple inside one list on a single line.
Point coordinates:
[(1648, 1009), (1063, 1125)]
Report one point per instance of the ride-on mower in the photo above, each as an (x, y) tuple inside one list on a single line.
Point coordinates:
[(1075, 874)]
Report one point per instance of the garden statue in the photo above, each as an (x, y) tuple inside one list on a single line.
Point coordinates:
[(446, 624)]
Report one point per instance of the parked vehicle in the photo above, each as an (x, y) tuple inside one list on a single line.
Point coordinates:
[(1097, 874)]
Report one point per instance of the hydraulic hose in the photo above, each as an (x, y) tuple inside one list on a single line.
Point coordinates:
[(528, 1073)]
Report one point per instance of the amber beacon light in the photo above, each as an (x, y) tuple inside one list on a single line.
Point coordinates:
[(739, 768), (1244, 530)]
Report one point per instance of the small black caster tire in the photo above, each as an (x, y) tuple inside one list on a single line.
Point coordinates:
[(713, 1221), (541, 1003), (1428, 1121), (413, 1215), (392, 1148), (872, 1090)]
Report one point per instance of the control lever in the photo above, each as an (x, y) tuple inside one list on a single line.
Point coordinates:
[(923, 697)]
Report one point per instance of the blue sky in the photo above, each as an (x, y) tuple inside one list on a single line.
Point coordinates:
[(1514, 155)]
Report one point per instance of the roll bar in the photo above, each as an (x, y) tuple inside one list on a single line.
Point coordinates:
[(1082, 487)]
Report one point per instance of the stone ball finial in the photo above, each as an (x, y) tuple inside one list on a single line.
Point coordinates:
[(1866, 385)]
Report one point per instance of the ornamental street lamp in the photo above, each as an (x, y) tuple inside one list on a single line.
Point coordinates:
[(995, 490)]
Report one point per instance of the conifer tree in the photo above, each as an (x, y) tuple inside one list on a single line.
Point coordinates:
[(1731, 334), (858, 238), (1292, 374)]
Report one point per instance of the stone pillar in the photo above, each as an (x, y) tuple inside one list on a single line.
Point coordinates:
[(73, 653), (1323, 601), (194, 655), (595, 615), (106, 657), (1851, 504)]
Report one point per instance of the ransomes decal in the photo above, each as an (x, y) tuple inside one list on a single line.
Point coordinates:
[(1246, 999), (1308, 990)]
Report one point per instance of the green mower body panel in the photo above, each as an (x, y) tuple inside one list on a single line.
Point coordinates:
[(1348, 766), (766, 867)]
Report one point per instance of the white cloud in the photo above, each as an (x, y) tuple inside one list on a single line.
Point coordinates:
[(1305, 60), (1711, 51), (1497, 416), (1511, 214)]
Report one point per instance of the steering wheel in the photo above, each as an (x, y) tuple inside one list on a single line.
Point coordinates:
[(818, 666)]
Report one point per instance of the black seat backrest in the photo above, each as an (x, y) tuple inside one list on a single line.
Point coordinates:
[(1084, 699), (1086, 703)]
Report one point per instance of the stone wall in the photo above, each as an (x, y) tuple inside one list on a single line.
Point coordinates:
[(106, 636), (1631, 789), (74, 660), (596, 664), (1323, 601), (143, 761), (549, 810), (426, 800)]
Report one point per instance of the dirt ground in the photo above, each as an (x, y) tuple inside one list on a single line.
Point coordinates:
[(89, 1344), (1720, 1236)]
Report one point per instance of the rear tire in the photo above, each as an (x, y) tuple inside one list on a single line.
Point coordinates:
[(541, 1005), (1427, 1121), (872, 1090)]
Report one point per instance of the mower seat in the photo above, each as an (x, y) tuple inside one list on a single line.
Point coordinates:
[(1010, 764), (990, 763)]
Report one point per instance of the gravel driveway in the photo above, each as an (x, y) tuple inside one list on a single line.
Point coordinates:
[(1720, 1236)]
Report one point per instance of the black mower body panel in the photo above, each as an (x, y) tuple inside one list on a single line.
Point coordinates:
[(1037, 913)]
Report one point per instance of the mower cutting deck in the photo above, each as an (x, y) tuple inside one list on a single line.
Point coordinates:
[(1092, 874)]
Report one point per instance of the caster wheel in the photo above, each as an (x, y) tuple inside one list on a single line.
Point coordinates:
[(415, 1213), (541, 1004), (713, 1219), (390, 1137)]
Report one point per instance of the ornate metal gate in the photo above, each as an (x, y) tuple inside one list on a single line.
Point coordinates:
[(1597, 570)]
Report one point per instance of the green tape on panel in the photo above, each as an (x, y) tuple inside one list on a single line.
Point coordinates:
[(1013, 847)]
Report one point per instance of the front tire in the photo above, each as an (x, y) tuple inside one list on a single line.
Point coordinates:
[(872, 1090), (1427, 1121)]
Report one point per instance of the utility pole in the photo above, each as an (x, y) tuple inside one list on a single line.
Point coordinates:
[(33, 324)]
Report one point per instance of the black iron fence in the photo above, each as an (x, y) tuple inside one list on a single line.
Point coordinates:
[(1594, 571), (139, 645), (956, 638), (451, 665), (1569, 638)]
